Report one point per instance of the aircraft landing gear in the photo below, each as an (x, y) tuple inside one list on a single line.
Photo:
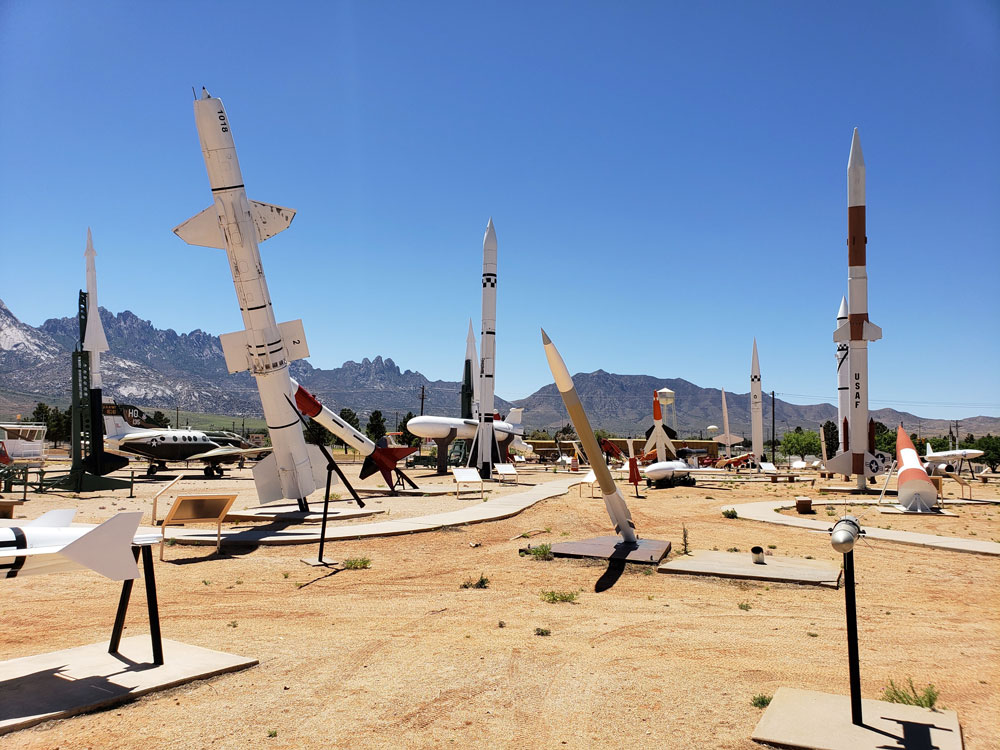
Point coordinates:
[(151, 470), (213, 471)]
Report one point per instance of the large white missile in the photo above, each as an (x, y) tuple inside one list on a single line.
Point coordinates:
[(94, 339), (485, 447), (613, 500), (756, 409), (843, 389), (50, 545), (265, 347), (658, 438), (858, 457), (726, 438)]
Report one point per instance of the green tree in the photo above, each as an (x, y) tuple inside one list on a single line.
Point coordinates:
[(539, 435), (602, 435), (375, 429), (315, 433), (800, 443), (990, 446), (350, 417), (968, 442), (831, 438), (939, 443), (406, 437), (566, 432), (885, 439), (919, 443), (160, 419), (41, 412)]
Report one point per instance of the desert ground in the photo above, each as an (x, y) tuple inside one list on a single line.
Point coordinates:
[(401, 656)]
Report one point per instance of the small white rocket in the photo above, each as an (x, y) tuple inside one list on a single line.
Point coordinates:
[(756, 408), (94, 339), (50, 545), (857, 457), (658, 438), (485, 447)]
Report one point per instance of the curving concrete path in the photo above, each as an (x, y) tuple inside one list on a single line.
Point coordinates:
[(476, 512), (765, 511)]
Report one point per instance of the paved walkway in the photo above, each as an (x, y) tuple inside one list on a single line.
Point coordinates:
[(765, 511), (476, 512)]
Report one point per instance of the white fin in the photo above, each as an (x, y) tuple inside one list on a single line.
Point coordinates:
[(514, 416), (53, 519), (203, 229), (265, 477), (108, 548), (270, 219)]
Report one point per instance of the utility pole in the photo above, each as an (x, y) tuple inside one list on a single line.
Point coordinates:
[(177, 411), (774, 435), (421, 401)]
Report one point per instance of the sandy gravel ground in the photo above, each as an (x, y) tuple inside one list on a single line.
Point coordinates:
[(399, 656)]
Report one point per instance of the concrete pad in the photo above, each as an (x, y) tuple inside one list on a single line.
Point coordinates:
[(740, 565), (899, 510), (49, 686), (647, 552), (821, 721), (297, 516)]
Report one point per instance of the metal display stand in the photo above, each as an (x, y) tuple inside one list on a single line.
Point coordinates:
[(152, 606)]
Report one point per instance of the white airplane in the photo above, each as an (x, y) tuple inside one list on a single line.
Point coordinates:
[(127, 429), (436, 428), (50, 545), (943, 462)]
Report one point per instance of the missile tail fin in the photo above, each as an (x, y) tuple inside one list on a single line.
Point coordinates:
[(108, 548), (270, 219), (53, 519), (266, 480), (872, 332), (842, 463), (203, 229), (842, 334)]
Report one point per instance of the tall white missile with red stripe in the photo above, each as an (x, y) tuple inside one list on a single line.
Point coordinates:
[(858, 456), (658, 438), (915, 490), (756, 408), (265, 348), (484, 449)]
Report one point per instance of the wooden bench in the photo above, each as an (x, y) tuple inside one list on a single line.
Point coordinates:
[(198, 509), (468, 476), (505, 471), (7, 507), (985, 477)]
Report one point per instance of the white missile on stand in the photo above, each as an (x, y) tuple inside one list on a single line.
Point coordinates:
[(857, 457), (725, 438), (658, 438), (470, 383), (50, 545), (756, 409), (485, 449), (94, 339), (843, 389), (915, 491)]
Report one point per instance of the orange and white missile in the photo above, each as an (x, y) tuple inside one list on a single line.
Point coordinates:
[(658, 438), (858, 455), (915, 491)]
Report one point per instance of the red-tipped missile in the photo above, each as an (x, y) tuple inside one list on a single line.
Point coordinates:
[(858, 458), (915, 490)]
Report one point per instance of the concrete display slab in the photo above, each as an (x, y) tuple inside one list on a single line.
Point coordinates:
[(821, 721), (740, 565), (49, 686), (765, 511), (287, 513), (647, 552), (490, 510), (899, 510)]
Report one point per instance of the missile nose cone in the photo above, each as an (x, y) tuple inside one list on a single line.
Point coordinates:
[(490, 239), (545, 338), (842, 313), (90, 244), (857, 158)]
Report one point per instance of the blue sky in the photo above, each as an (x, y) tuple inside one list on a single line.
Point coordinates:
[(667, 180)]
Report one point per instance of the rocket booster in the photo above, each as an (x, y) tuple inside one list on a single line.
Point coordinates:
[(857, 331), (470, 384), (843, 389), (613, 500), (265, 347), (915, 491), (756, 408), (486, 447), (94, 339)]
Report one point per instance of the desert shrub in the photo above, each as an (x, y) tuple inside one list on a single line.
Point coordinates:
[(761, 700), (554, 597), (908, 694), (482, 583), (729, 513), (357, 563)]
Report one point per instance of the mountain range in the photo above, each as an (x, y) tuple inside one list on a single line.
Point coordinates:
[(161, 369)]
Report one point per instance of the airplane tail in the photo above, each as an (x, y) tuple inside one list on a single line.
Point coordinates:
[(108, 548), (121, 419), (384, 459), (514, 417)]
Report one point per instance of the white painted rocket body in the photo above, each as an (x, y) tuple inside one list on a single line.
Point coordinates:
[(756, 408), (94, 339), (50, 545), (858, 457), (265, 347), (659, 439), (485, 446), (915, 491), (843, 370), (614, 502)]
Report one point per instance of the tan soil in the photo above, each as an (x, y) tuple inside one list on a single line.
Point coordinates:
[(971, 521), (399, 656)]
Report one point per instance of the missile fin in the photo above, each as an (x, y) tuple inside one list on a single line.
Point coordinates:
[(294, 338), (872, 332), (203, 229), (265, 478), (842, 463), (108, 548), (842, 334), (270, 219), (235, 348), (53, 519)]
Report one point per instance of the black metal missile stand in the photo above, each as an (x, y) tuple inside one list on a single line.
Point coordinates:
[(151, 605), (331, 466), (852, 638)]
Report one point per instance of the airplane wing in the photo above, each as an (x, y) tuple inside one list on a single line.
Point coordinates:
[(224, 452)]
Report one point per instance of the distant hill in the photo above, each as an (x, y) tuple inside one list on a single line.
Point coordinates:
[(161, 369)]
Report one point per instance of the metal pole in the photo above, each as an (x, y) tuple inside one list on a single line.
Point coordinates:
[(852, 638), (326, 509), (774, 435), (152, 607)]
